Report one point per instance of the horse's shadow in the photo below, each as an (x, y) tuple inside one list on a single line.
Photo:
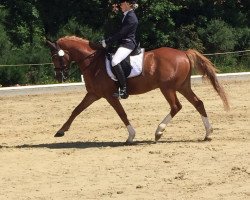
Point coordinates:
[(94, 144)]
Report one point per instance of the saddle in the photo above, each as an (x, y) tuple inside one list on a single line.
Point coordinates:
[(136, 51), (125, 64)]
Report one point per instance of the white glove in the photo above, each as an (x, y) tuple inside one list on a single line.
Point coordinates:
[(103, 43)]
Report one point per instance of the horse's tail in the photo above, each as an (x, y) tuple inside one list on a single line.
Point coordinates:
[(206, 68)]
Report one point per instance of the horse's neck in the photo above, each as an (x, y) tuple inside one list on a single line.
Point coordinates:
[(93, 70), (84, 56), (77, 48), (87, 59), (78, 54)]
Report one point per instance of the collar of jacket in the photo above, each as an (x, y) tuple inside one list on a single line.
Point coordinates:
[(125, 13)]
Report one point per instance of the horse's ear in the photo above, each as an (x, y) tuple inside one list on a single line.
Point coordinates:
[(51, 44)]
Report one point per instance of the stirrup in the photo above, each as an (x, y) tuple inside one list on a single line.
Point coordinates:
[(121, 94)]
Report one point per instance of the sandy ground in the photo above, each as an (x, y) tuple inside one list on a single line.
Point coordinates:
[(91, 162)]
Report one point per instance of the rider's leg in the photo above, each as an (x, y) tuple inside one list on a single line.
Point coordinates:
[(119, 56), (122, 81)]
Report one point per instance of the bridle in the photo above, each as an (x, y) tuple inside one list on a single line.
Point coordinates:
[(63, 69)]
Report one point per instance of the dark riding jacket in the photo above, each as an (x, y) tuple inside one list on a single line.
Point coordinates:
[(125, 37)]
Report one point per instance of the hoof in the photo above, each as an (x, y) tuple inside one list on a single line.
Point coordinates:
[(207, 139), (157, 137), (128, 142), (59, 134)]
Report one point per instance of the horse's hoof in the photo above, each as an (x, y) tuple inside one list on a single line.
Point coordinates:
[(157, 137), (59, 134), (128, 142), (207, 139)]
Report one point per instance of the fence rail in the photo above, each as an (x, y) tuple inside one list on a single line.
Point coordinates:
[(206, 54), (224, 53), (70, 87), (21, 65)]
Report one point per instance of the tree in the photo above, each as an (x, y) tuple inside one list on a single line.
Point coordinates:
[(207, 25), (4, 40), (26, 23), (55, 14), (156, 23), (218, 36), (186, 36)]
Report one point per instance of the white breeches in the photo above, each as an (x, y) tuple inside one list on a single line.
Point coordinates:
[(120, 55)]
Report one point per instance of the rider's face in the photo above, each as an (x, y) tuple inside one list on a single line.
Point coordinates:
[(125, 6)]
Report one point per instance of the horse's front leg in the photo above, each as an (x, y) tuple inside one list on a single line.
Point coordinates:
[(115, 103), (87, 101)]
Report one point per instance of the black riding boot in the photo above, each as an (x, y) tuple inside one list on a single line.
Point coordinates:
[(122, 81)]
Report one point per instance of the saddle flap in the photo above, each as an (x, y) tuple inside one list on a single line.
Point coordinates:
[(125, 64), (132, 64)]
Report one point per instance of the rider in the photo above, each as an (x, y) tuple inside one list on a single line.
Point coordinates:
[(126, 40)]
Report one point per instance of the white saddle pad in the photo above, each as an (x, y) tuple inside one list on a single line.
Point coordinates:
[(136, 63)]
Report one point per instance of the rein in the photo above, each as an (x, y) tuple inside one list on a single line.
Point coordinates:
[(89, 56)]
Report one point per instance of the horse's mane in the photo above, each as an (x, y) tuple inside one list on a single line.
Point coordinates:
[(79, 40), (73, 38)]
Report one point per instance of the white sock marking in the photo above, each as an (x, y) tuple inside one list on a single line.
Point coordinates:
[(131, 132), (163, 125), (207, 125)]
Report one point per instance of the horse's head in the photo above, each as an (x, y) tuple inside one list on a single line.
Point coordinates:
[(61, 61), (72, 48)]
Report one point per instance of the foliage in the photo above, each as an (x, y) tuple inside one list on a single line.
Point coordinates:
[(4, 40), (218, 36), (205, 25), (243, 38), (75, 28), (186, 36), (26, 74), (26, 24), (156, 23)]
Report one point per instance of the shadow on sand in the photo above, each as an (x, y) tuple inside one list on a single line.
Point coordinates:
[(94, 144)]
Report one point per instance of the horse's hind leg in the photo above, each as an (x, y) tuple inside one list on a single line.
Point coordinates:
[(175, 106), (198, 104)]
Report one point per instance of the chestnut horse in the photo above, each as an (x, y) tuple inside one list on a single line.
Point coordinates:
[(164, 68)]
